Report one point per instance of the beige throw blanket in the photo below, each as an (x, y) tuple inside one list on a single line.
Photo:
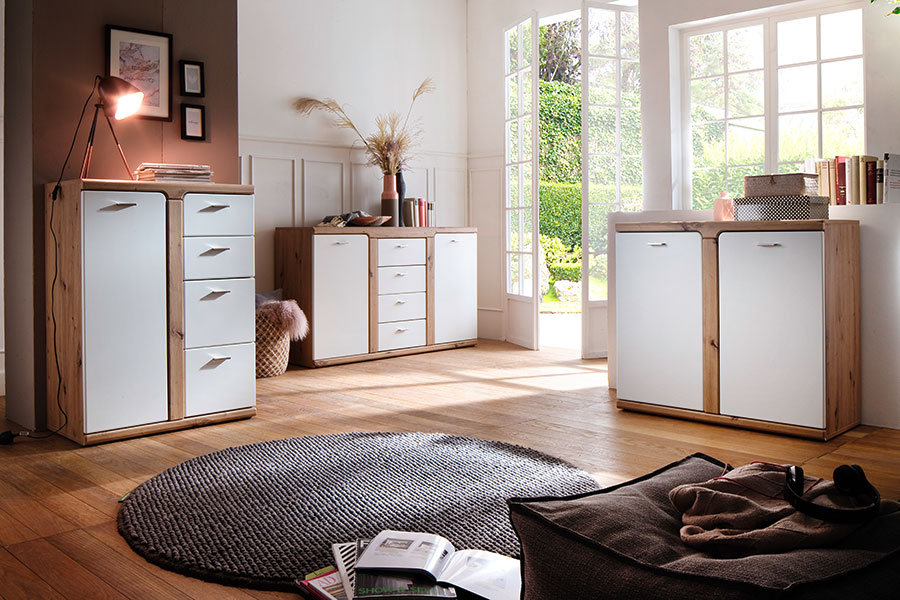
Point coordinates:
[(743, 512)]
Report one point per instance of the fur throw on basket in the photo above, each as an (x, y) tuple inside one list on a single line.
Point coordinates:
[(287, 316)]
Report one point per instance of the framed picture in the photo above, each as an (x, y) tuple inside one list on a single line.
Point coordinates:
[(143, 59), (192, 82), (193, 122)]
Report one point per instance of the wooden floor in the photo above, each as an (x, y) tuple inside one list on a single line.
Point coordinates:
[(58, 502)]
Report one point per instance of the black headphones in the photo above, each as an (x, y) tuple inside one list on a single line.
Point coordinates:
[(849, 480)]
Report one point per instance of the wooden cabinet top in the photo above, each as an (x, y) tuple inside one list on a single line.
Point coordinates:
[(174, 190), (711, 229), (380, 232)]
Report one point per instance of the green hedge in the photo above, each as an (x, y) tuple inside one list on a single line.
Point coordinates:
[(567, 271), (560, 205)]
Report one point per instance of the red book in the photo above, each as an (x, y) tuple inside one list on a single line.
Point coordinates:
[(870, 181), (420, 204), (840, 166)]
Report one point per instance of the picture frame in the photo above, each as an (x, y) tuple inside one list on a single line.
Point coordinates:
[(143, 59), (193, 122), (192, 78)]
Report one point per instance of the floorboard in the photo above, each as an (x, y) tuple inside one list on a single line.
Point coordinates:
[(58, 501)]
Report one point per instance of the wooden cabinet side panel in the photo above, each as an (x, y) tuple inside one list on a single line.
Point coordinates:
[(293, 274), (842, 327), (64, 300), (710, 268), (175, 276), (373, 295), (429, 291)]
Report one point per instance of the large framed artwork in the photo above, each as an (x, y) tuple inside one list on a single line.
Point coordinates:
[(143, 59)]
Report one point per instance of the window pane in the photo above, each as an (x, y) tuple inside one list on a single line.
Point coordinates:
[(512, 141), (512, 230), (513, 279), (706, 186), (746, 94), (512, 97), (512, 49), (747, 141), (708, 144), (630, 132), (525, 79), (526, 43), (525, 265), (794, 167), (842, 132), (797, 88), (597, 219), (527, 229), (631, 194), (629, 34), (526, 185), (602, 81), (526, 138), (842, 83), (602, 181), (745, 48), (597, 273), (706, 54), (512, 186), (736, 178), (797, 41), (601, 130), (841, 34), (602, 32), (631, 83), (707, 99), (798, 137)]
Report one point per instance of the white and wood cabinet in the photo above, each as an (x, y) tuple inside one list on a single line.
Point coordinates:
[(374, 292), (151, 288), (774, 307)]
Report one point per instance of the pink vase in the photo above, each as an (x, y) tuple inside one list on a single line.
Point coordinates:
[(390, 187)]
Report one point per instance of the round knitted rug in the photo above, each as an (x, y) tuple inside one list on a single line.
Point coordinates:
[(265, 514)]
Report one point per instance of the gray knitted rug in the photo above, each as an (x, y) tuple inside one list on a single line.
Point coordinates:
[(264, 514)]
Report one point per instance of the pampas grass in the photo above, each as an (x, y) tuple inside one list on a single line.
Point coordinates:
[(389, 147)]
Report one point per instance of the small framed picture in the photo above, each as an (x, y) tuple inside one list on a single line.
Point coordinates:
[(193, 122), (143, 59), (192, 82)]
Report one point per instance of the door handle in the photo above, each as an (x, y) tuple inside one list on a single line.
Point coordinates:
[(767, 244), (214, 206), (339, 243), (400, 302), (399, 274), (402, 329), (402, 246), (656, 244), (125, 204), (219, 248)]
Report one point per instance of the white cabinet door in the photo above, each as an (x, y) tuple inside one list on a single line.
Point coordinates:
[(659, 319), (771, 326), (340, 324), (124, 307), (455, 287)]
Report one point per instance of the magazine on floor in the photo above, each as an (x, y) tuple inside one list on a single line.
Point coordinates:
[(486, 574), (324, 584)]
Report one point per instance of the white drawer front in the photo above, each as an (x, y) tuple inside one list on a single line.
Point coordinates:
[(218, 214), (219, 379), (401, 252), (218, 312), (400, 280), (401, 307), (402, 334), (218, 257)]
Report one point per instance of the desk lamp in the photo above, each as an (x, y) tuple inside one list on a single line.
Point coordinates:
[(118, 99)]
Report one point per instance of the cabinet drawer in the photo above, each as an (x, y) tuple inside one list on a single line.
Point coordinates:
[(218, 214), (401, 252), (401, 307), (219, 379), (218, 257), (401, 334), (218, 312), (399, 280)]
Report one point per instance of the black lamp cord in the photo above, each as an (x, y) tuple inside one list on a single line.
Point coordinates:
[(7, 437)]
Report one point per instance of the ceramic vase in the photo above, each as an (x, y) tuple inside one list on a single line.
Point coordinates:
[(401, 194), (389, 200)]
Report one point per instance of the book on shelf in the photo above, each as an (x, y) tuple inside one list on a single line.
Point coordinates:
[(840, 169), (408, 219), (864, 181), (852, 166), (892, 178), (871, 194), (430, 214), (879, 181), (407, 555)]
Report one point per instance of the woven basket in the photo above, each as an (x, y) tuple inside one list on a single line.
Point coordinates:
[(272, 348)]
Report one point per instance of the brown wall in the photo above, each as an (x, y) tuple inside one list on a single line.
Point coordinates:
[(54, 48)]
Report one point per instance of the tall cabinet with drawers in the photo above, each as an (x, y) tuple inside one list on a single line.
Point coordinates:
[(378, 292), (753, 324), (150, 291)]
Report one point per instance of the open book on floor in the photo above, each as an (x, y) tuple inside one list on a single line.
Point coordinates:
[(486, 574)]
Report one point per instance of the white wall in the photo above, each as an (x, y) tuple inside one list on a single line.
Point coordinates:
[(370, 57)]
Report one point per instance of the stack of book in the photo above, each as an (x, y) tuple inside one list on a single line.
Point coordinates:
[(413, 566), (418, 213), (860, 179), (173, 172)]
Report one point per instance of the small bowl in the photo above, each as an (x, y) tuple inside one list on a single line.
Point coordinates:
[(374, 221)]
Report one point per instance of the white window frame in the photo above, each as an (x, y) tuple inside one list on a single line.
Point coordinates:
[(770, 78)]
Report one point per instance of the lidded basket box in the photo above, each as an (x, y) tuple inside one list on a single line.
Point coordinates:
[(781, 184)]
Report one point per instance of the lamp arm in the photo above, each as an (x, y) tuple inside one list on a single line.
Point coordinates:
[(119, 146), (75, 137)]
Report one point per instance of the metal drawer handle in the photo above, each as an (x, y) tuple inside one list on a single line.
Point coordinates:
[(402, 329), (220, 358), (400, 275), (341, 243), (400, 302), (767, 244), (219, 248), (125, 204), (220, 292), (454, 241), (402, 246), (656, 244), (215, 206)]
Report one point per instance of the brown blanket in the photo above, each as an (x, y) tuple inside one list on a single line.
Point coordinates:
[(743, 512)]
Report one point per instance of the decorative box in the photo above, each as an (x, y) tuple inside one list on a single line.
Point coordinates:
[(782, 184), (776, 208)]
